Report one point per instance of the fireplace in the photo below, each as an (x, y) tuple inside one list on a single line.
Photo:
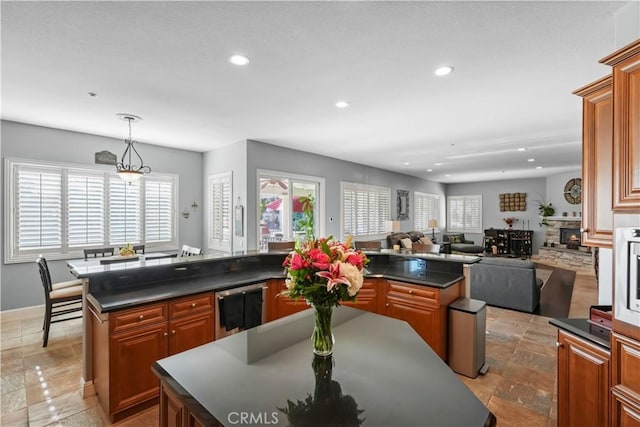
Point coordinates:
[(570, 237)]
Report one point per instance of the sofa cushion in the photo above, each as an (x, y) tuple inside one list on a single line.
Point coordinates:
[(425, 241), (406, 243), (415, 235)]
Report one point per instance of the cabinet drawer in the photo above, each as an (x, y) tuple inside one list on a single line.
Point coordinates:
[(626, 369), (414, 293), (193, 304), (140, 316)]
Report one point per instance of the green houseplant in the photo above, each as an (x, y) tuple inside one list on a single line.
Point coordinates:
[(545, 210)]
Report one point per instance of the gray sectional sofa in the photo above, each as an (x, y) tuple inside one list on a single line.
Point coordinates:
[(507, 283)]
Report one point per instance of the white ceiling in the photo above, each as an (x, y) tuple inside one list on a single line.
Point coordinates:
[(516, 64)]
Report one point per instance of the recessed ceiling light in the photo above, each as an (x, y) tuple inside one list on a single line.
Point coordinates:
[(429, 170), (239, 60), (522, 149), (406, 163), (447, 175), (531, 160), (443, 71), (342, 104), (438, 164), (538, 167)]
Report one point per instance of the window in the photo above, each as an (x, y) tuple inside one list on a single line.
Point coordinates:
[(427, 207), (464, 214), (365, 208), (280, 209), (220, 192), (59, 209)]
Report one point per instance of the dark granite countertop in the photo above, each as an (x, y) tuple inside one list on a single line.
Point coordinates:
[(128, 284), (585, 330), (380, 366)]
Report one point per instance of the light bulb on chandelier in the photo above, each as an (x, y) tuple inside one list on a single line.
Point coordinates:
[(127, 170)]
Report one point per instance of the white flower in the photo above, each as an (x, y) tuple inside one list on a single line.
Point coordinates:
[(353, 275)]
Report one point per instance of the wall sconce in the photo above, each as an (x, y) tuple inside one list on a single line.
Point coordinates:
[(194, 206), (186, 214)]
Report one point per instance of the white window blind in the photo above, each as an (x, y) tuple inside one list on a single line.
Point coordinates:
[(38, 208), (125, 215), (158, 210), (464, 214), (427, 207), (220, 191), (86, 209), (60, 209), (365, 208)]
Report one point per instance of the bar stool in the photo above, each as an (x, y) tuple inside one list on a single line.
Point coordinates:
[(61, 298)]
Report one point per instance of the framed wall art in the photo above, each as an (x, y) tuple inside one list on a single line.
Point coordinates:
[(403, 205)]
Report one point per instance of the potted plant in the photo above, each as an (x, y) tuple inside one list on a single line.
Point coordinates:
[(545, 210)]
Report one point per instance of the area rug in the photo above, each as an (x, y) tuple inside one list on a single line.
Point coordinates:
[(544, 274), (555, 297)]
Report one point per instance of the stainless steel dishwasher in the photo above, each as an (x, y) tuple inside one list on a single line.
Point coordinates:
[(243, 298)]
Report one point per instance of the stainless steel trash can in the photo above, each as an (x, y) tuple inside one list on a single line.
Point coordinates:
[(467, 325)]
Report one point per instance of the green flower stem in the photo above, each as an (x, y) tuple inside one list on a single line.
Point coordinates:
[(322, 338)]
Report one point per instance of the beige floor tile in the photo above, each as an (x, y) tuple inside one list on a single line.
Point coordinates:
[(19, 418), (59, 408), (13, 401), (11, 382), (510, 414)]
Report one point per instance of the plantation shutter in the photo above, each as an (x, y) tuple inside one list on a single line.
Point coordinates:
[(38, 208), (365, 209), (427, 207), (465, 214), (158, 210), (220, 217), (86, 209), (125, 220)]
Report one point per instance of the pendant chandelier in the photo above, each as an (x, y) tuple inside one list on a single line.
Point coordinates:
[(130, 168)]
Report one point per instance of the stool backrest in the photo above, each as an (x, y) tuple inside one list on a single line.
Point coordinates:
[(372, 245), (45, 276), (281, 246), (98, 251)]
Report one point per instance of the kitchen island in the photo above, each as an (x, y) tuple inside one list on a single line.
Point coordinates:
[(140, 311), (381, 372)]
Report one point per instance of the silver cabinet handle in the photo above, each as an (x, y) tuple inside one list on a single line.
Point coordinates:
[(559, 345)]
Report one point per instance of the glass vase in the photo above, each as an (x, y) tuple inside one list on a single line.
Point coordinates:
[(322, 338)]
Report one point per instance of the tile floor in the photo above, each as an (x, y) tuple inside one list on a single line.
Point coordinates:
[(39, 387)]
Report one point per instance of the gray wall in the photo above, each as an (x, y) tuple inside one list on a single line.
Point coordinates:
[(271, 157), (555, 192), (231, 158), (491, 215), (20, 283)]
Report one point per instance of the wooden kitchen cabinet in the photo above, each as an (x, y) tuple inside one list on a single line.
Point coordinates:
[(127, 342), (368, 298), (424, 308), (131, 355), (626, 380), (597, 163), (280, 306), (192, 322), (583, 382), (626, 127)]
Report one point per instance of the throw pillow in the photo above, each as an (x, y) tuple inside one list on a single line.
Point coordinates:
[(406, 243), (425, 240), (455, 239)]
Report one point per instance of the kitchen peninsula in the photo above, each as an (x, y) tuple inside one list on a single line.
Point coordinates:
[(141, 311), (386, 376)]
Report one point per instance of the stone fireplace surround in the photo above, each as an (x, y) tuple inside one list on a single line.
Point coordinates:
[(574, 259)]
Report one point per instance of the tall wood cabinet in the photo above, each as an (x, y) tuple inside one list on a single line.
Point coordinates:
[(597, 163), (626, 127), (583, 382)]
